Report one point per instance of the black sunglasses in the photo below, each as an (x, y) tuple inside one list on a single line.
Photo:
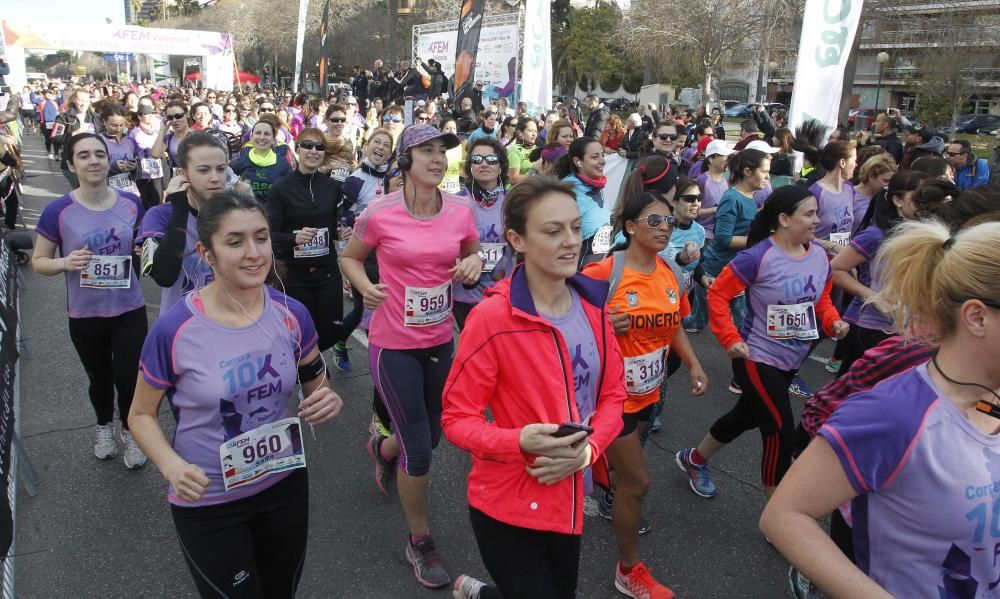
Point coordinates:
[(228, 110), (953, 154), (175, 116), (312, 145), (691, 198), (267, 110), (337, 119), (655, 220), (667, 136), (491, 160)]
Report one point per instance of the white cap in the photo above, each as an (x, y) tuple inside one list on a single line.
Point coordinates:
[(718, 147), (421, 103), (762, 146)]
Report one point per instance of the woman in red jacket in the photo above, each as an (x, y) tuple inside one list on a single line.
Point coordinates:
[(540, 353)]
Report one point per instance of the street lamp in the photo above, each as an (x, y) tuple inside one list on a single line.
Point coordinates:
[(882, 58)]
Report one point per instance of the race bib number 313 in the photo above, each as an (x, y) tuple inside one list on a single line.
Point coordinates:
[(256, 454), (644, 373)]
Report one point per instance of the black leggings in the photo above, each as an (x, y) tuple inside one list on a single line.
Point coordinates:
[(109, 349), (8, 190), (323, 297), (252, 548), (858, 341), (150, 191), (763, 405), (526, 563), (411, 381), (47, 136)]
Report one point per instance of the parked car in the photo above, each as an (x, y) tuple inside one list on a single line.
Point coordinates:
[(983, 123), (739, 111), (728, 104), (620, 104), (962, 119)]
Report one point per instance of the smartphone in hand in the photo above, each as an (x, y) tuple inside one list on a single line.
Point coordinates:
[(570, 428)]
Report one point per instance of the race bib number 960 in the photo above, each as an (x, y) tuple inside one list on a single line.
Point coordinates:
[(269, 448)]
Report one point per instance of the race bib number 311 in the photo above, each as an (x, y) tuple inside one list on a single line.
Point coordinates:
[(256, 454)]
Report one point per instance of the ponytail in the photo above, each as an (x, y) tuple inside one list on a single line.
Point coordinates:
[(927, 275), (784, 200)]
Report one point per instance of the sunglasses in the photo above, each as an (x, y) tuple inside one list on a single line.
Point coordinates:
[(491, 160), (953, 154), (667, 136), (392, 119), (229, 110), (267, 110), (175, 116), (655, 220), (690, 198), (394, 173), (337, 119), (312, 145)]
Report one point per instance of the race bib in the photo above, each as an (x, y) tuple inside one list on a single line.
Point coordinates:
[(107, 272), (425, 306), (644, 373), (269, 448), (493, 253), (319, 246), (601, 242), (794, 321), (123, 182), (151, 168), (451, 185), (340, 174), (842, 238)]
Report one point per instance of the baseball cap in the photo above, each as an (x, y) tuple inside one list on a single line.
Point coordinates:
[(417, 135), (719, 147), (421, 103), (762, 146)]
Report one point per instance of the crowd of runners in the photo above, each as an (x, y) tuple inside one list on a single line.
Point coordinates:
[(513, 308)]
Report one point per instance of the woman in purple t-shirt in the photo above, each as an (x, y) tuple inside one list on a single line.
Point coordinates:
[(918, 455), (835, 195), (228, 358), (94, 228)]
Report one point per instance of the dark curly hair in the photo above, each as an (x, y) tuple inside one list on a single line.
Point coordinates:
[(498, 149)]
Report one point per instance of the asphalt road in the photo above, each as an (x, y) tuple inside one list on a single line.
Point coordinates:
[(98, 530)]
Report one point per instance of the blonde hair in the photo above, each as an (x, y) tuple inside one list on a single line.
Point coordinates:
[(927, 274), (876, 166)]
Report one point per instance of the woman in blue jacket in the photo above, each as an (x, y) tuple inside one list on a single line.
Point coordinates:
[(583, 168), (261, 162)]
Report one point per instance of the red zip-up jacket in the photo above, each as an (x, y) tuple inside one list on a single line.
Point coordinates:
[(512, 361)]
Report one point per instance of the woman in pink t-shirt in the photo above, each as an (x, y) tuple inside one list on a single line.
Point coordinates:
[(425, 239)]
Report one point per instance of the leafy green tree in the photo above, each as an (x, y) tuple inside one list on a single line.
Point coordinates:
[(581, 48)]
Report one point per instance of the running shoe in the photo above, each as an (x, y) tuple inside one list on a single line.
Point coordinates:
[(377, 428), (427, 564), (605, 509), (340, 357), (133, 456), (692, 330), (385, 470), (699, 477), (734, 388), (51, 156), (799, 387), (833, 365), (800, 586), (104, 442), (467, 587), (656, 426), (640, 584)]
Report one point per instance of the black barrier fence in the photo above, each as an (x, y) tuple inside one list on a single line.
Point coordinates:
[(9, 399)]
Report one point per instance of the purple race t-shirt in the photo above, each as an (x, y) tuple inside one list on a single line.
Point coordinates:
[(927, 517), (195, 272), (489, 222), (867, 243), (835, 210), (222, 382), (774, 277), (585, 359), (126, 149), (711, 194), (861, 202), (71, 225)]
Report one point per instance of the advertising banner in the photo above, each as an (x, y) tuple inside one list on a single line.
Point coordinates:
[(495, 58), (828, 30), (536, 66), (470, 21)]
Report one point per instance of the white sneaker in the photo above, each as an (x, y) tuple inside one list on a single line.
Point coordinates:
[(104, 442), (134, 458), (467, 587), (51, 156)]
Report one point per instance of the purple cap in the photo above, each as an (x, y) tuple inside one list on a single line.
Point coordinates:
[(416, 135)]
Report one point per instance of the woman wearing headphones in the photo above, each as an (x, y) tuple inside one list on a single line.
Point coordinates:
[(424, 240), (227, 358), (583, 167)]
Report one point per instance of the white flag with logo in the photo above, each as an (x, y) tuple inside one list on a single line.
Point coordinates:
[(828, 30), (536, 65)]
